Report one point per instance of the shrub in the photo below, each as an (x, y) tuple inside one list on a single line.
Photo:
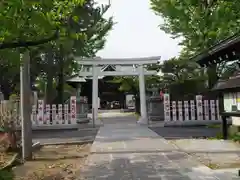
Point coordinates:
[(6, 175), (9, 120)]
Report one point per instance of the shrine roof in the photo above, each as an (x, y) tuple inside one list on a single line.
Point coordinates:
[(232, 83), (226, 50)]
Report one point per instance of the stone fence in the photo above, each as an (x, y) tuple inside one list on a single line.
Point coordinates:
[(178, 113)]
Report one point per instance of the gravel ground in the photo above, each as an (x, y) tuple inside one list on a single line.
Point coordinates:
[(216, 154), (218, 160), (61, 162)]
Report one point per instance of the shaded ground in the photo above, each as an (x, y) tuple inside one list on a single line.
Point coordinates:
[(60, 162), (216, 154), (186, 132), (62, 136)]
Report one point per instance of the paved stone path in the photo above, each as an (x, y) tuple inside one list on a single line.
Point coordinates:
[(128, 151)]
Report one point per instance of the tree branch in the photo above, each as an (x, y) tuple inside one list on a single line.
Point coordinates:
[(20, 43), (134, 90)]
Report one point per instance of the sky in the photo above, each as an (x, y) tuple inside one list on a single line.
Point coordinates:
[(136, 32)]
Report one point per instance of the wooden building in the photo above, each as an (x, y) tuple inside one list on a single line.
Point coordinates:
[(229, 90)]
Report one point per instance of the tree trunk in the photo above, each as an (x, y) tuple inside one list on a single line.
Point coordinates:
[(49, 90), (60, 87)]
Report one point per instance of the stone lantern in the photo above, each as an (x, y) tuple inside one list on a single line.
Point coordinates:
[(155, 104), (82, 102)]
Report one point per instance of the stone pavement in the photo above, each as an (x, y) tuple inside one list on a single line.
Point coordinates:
[(128, 151)]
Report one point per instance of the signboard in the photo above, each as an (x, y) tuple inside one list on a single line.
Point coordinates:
[(231, 102), (40, 114), (73, 108)]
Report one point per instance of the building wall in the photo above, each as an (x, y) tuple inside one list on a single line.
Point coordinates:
[(236, 121)]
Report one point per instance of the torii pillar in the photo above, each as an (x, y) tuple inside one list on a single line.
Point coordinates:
[(142, 91), (95, 93)]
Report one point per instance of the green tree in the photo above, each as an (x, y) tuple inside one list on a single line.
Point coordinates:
[(182, 77), (200, 23), (130, 84), (89, 19), (179, 69), (26, 24), (82, 32)]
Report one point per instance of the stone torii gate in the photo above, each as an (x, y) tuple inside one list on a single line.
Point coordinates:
[(137, 70)]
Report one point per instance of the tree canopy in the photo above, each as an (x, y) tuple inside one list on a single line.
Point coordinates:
[(55, 32), (24, 21), (200, 24)]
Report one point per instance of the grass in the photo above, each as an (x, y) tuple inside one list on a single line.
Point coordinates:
[(213, 166), (236, 137), (218, 137), (6, 175), (214, 126), (137, 115)]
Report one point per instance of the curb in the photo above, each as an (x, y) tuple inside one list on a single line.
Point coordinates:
[(68, 143)]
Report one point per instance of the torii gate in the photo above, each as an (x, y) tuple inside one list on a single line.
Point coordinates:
[(140, 71)]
